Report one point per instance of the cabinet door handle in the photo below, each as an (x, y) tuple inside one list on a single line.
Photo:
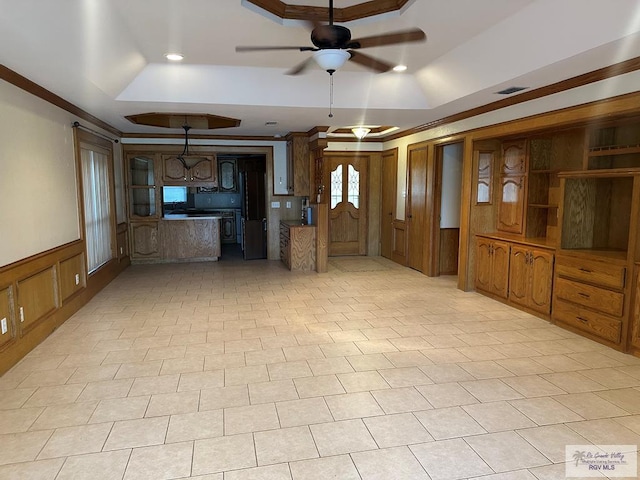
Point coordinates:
[(585, 270), (584, 295), (583, 320)]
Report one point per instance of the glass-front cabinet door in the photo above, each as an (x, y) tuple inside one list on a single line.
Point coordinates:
[(142, 185)]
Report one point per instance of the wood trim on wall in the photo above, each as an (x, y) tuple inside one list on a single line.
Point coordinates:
[(526, 96), (15, 274), (288, 11)]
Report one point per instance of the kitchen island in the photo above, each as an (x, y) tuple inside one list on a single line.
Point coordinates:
[(190, 238)]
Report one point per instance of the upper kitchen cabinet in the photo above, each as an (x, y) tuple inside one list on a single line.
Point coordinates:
[(190, 170), (295, 180), (227, 175), (143, 178), (298, 163)]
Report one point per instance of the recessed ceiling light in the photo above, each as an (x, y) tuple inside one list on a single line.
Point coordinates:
[(399, 68), (174, 57)]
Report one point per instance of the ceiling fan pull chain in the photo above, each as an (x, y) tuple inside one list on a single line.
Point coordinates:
[(330, 95)]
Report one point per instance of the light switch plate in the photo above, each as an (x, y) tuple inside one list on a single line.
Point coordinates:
[(275, 204), (3, 326), (288, 204), (77, 278)]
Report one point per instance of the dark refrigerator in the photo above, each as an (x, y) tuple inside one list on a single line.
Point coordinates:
[(254, 218)]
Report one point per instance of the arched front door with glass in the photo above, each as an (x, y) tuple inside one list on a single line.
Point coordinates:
[(348, 206)]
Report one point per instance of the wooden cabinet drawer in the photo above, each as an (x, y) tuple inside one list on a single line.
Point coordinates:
[(605, 274), (285, 231), (599, 324), (593, 297)]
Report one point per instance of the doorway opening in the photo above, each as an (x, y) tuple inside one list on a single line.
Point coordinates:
[(433, 208), (242, 192)]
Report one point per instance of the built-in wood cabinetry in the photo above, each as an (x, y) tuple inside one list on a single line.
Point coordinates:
[(297, 245), (573, 258), (530, 277), (8, 330), (228, 229), (513, 186), (492, 266), (634, 340), (589, 295), (145, 240), (298, 164), (143, 192), (519, 273), (191, 170), (227, 175)]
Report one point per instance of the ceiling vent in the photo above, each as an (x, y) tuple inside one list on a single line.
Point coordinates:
[(510, 90)]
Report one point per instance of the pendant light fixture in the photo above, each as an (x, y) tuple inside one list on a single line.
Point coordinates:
[(360, 132), (185, 150)]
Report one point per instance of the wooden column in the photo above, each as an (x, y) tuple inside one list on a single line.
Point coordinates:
[(319, 197)]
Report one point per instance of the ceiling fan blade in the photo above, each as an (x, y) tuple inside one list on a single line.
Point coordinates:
[(370, 62), (301, 67), (402, 36), (266, 48)]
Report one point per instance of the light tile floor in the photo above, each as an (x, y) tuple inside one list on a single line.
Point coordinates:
[(244, 370)]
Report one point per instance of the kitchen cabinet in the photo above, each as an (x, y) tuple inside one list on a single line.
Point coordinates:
[(197, 170), (227, 175), (492, 266), (298, 164), (228, 229), (145, 240), (531, 277), (142, 180), (298, 245)]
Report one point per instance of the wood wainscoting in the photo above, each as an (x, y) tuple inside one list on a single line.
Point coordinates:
[(399, 252), (39, 293), (449, 245)]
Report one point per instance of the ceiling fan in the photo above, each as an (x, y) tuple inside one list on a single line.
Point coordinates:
[(333, 46)]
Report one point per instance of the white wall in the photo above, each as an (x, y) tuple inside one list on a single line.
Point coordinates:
[(39, 205), (451, 186), (38, 189)]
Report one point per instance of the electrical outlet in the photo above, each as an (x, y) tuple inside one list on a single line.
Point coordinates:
[(21, 314), (288, 204), (3, 325), (77, 279), (121, 250)]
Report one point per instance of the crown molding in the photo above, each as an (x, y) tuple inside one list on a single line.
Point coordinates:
[(340, 15), (33, 88)]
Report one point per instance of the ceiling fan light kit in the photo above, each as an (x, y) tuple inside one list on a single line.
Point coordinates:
[(331, 59), (333, 46)]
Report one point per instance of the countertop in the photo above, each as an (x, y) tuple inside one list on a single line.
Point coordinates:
[(192, 216), (295, 223)]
